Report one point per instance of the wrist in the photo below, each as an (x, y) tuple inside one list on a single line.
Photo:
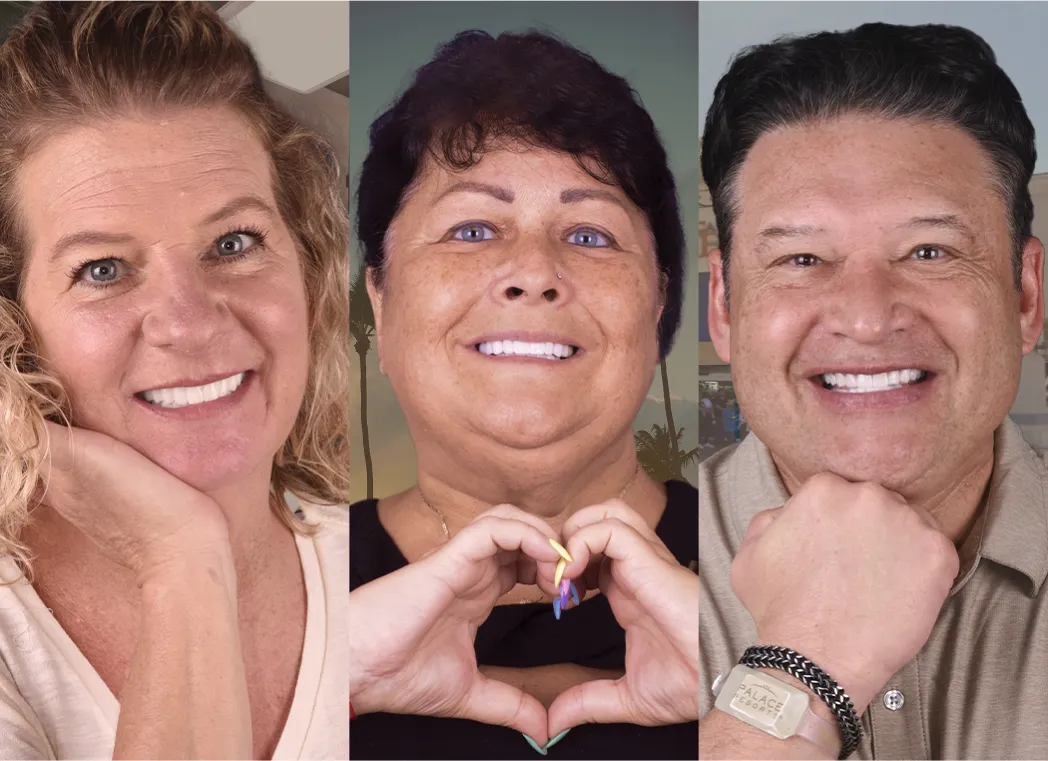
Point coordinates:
[(188, 574), (858, 690)]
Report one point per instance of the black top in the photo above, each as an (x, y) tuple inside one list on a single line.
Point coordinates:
[(521, 636)]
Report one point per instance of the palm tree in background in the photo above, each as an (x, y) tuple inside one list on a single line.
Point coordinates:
[(674, 451), (660, 454), (362, 329)]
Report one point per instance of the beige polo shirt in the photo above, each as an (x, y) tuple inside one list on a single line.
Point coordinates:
[(979, 688)]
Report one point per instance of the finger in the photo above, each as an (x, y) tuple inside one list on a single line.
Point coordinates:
[(510, 512), (494, 702), (602, 701), (613, 539), (613, 508), (483, 540)]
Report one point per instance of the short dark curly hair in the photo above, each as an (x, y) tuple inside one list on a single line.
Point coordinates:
[(940, 73), (533, 88)]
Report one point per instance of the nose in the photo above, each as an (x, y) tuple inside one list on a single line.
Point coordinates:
[(535, 276), (866, 303), (183, 311)]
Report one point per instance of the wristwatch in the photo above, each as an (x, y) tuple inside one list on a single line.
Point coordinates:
[(774, 707)]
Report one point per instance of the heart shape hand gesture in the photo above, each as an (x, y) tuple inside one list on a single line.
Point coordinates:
[(417, 656)]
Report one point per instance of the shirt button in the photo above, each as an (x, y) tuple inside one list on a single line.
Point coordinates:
[(893, 700)]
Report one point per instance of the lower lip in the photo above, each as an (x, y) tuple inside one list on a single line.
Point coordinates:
[(205, 409), (529, 360), (874, 400)]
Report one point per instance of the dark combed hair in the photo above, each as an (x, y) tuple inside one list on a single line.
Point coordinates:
[(943, 74), (535, 89)]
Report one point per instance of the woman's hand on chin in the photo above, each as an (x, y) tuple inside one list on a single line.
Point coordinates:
[(140, 515), (411, 641), (656, 600)]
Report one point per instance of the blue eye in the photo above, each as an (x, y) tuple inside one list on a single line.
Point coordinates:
[(99, 271), (473, 232), (233, 243), (588, 238)]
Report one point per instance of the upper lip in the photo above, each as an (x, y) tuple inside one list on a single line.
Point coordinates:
[(868, 369), (192, 382), (527, 337)]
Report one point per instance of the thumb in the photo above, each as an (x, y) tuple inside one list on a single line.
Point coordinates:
[(602, 701), (494, 702)]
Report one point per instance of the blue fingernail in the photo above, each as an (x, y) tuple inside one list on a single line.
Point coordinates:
[(574, 593), (556, 608), (557, 739), (535, 745)]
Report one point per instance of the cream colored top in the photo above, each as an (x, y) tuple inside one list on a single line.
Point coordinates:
[(53, 704), (977, 689)]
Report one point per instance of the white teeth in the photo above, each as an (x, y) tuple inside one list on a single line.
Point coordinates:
[(184, 397), (864, 384), (547, 350)]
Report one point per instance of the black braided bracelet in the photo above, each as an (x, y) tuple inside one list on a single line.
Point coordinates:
[(815, 679)]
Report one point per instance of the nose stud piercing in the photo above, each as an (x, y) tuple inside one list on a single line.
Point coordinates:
[(558, 276)]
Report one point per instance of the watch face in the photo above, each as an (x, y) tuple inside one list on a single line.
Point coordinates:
[(763, 702), (760, 699)]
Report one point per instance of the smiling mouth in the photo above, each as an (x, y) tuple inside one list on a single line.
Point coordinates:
[(188, 396), (551, 351), (850, 383)]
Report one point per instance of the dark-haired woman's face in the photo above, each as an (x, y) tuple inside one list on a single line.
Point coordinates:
[(519, 305)]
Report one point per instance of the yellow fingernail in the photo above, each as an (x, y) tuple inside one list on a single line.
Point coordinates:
[(560, 572), (560, 550)]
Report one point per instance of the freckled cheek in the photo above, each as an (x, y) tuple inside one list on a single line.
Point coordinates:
[(88, 347)]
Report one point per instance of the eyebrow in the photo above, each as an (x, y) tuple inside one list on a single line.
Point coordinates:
[(578, 195), (85, 238), (500, 194), (941, 222)]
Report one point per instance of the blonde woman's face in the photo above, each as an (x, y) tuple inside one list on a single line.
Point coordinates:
[(165, 290)]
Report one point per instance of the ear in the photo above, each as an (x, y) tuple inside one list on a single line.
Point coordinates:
[(375, 294), (1031, 297), (660, 305), (717, 314)]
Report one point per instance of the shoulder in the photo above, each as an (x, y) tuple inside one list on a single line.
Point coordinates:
[(325, 516)]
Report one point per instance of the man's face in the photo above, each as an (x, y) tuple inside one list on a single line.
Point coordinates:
[(875, 329)]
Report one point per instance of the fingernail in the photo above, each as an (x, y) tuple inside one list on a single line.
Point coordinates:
[(560, 550), (535, 745), (556, 608), (557, 739), (574, 592), (560, 572)]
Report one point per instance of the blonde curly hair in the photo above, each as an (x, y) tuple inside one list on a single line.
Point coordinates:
[(67, 63)]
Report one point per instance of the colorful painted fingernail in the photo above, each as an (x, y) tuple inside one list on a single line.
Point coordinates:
[(574, 594), (557, 739), (538, 748), (564, 587), (560, 572), (560, 550), (556, 608)]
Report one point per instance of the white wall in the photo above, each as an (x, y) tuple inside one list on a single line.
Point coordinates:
[(324, 111)]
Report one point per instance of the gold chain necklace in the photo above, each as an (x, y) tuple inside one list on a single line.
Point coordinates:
[(447, 534)]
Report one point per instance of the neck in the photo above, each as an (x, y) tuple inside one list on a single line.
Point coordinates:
[(955, 499), (544, 483), (254, 532)]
